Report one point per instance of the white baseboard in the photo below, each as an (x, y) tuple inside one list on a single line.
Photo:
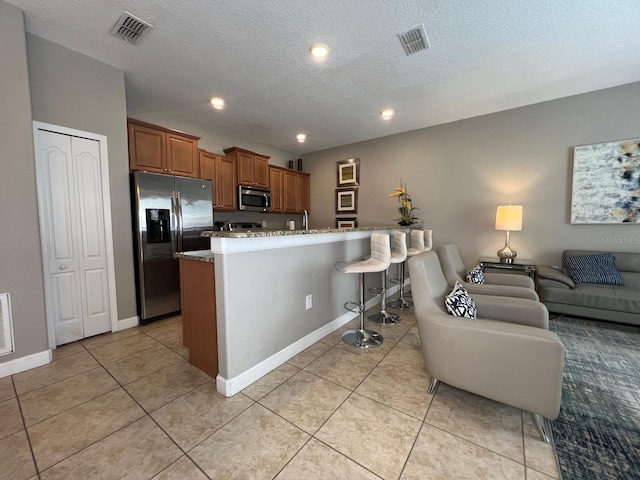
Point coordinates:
[(128, 323), (25, 363), (230, 386)]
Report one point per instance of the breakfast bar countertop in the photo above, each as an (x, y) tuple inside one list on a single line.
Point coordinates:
[(283, 233), (197, 255)]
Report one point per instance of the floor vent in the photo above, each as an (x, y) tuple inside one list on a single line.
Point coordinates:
[(414, 41), (131, 28), (6, 325)]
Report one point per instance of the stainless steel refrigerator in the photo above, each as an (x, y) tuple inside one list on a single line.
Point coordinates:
[(169, 213)]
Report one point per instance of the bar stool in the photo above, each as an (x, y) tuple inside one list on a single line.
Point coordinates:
[(427, 245), (398, 255), (379, 261), (417, 245)]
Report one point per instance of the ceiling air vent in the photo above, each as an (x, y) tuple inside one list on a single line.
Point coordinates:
[(130, 28), (414, 40)]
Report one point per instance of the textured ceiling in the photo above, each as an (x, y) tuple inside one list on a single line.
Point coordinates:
[(484, 57)]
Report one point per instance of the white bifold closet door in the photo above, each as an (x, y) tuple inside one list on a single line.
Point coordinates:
[(73, 235)]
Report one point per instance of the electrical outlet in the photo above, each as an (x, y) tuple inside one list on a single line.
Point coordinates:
[(309, 301)]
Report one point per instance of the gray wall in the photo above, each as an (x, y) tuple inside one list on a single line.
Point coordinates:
[(21, 267), (458, 173), (76, 91)]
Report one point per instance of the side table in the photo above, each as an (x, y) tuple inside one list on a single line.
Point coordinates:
[(519, 265)]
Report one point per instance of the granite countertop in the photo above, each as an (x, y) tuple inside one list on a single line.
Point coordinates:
[(197, 255), (283, 233)]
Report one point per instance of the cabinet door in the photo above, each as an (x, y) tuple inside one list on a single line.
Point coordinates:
[(289, 195), (245, 168), (303, 192), (275, 180), (222, 173), (182, 156), (147, 149), (225, 185), (261, 172)]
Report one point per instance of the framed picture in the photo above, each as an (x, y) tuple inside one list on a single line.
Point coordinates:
[(349, 172), (351, 222), (347, 200), (605, 183)]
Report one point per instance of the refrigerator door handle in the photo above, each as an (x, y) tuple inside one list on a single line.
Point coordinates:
[(174, 220), (179, 216)]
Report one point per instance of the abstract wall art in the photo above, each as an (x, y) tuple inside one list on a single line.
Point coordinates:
[(606, 183)]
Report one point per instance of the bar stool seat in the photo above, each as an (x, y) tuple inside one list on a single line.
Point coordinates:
[(378, 261), (398, 255)]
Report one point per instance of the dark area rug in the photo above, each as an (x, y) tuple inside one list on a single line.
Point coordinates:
[(597, 435)]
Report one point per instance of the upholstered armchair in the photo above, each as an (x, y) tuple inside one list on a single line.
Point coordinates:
[(507, 354), (507, 285)]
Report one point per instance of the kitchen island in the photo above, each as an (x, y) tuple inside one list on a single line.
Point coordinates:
[(262, 280)]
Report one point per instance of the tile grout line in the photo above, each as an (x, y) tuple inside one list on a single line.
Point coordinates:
[(26, 431)]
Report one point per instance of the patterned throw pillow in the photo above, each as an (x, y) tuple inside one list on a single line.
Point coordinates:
[(595, 268), (459, 303), (475, 275)]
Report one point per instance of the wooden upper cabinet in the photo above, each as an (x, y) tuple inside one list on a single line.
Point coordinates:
[(289, 190), (182, 155), (222, 173), (253, 168), (275, 184), (157, 149), (303, 192), (261, 171), (289, 196), (147, 148)]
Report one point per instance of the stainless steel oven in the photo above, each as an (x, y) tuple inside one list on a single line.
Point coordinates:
[(253, 199)]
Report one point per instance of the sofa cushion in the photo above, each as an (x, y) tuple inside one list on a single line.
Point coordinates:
[(475, 275), (459, 303), (596, 268), (588, 295)]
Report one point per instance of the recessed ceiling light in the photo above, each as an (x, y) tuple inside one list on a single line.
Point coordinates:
[(301, 137), (387, 114), (217, 103), (319, 52)]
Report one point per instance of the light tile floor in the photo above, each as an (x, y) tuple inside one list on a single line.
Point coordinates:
[(129, 405)]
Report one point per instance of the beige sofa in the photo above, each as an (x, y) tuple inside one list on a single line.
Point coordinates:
[(603, 302)]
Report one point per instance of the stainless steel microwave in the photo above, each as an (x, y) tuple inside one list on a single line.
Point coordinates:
[(254, 199)]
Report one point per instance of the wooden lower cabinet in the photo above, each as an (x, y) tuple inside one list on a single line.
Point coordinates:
[(199, 324)]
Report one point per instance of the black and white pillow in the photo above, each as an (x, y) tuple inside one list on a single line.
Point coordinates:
[(459, 303), (475, 275)]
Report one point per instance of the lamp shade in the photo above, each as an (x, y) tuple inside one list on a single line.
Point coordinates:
[(509, 217)]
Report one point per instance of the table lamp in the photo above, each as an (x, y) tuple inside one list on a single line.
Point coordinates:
[(509, 219)]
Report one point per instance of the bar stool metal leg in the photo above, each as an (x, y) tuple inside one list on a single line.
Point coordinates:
[(361, 337), (401, 303), (383, 316)]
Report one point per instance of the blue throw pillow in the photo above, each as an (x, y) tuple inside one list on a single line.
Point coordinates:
[(459, 303), (595, 268)]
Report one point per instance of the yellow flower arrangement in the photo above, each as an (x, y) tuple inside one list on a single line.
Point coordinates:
[(406, 207)]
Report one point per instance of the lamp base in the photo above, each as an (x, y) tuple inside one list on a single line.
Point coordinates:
[(507, 255)]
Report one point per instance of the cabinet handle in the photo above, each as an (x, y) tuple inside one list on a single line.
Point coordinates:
[(63, 267)]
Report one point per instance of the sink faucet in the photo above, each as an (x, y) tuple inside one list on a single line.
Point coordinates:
[(305, 220)]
